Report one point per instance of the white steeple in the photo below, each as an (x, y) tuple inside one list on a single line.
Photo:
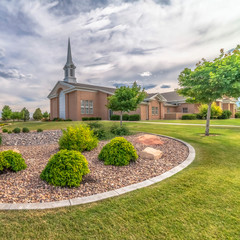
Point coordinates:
[(69, 68)]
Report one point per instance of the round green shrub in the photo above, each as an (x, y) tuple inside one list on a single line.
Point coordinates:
[(5, 130), (119, 130), (65, 169), (39, 130), (78, 138), (25, 130), (14, 160), (3, 163), (9, 132), (16, 130), (118, 152)]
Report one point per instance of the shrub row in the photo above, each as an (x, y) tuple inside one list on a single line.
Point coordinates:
[(126, 117), (226, 114), (237, 115), (91, 118), (189, 117), (59, 120), (18, 130)]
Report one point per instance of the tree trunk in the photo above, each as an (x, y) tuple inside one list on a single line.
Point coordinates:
[(208, 119), (121, 119)]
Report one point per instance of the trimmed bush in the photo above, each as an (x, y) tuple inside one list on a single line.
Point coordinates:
[(226, 114), (12, 160), (25, 130), (5, 130), (115, 117), (134, 117), (68, 120), (16, 130), (39, 130), (91, 118), (125, 117), (189, 117), (78, 138), (65, 169), (237, 115), (118, 152), (9, 132), (119, 130)]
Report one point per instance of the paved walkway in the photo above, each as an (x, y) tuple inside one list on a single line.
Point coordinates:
[(188, 124)]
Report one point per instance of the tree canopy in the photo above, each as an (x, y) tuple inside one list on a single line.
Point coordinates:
[(126, 98), (6, 113), (37, 115), (212, 80), (25, 115)]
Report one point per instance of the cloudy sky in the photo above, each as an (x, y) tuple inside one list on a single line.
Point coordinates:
[(114, 42)]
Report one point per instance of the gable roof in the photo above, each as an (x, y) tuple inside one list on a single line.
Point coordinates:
[(93, 87), (173, 97)]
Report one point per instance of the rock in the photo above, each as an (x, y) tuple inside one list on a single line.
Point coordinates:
[(16, 150), (148, 139), (150, 153)]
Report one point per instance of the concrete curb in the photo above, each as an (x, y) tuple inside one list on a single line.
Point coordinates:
[(101, 196)]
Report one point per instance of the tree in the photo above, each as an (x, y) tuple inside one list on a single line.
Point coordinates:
[(16, 115), (25, 116), (211, 80), (37, 115), (6, 113), (45, 115), (126, 99)]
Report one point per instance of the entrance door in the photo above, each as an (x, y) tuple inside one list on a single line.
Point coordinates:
[(147, 113), (62, 105)]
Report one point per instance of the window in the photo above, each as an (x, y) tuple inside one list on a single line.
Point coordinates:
[(154, 110), (185, 110), (82, 106), (71, 72), (168, 110), (86, 107)]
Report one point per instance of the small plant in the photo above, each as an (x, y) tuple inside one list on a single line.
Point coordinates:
[(16, 130), (0, 139), (25, 130), (9, 132), (91, 118), (134, 117), (115, 117), (189, 117), (118, 152), (93, 125), (12, 161), (65, 169), (78, 138), (119, 130), (100, 133), (5, 130), (39, 130)]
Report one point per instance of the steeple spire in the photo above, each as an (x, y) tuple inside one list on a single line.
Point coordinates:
[(69, 54), (69, 68)]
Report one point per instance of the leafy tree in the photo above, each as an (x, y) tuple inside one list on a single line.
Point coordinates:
[(46, 115), (216, 111), (16, 115), (37, 115), (126, 99), (211, 80), (6, 113), (25, 116)]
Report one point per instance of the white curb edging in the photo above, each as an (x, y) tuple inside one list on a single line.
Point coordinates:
[(113, 193)]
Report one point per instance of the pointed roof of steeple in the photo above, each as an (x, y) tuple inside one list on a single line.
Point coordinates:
[(69, 54)]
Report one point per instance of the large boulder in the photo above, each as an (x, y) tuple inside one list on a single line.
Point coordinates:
[(150, 153)]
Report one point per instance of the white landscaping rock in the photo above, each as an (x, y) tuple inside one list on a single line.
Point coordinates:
[(150, 153)]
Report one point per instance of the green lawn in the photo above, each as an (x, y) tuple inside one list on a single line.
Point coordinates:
[(201, 202), (233, 121)]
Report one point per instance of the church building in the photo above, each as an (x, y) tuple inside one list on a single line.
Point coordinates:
[(72, 100)]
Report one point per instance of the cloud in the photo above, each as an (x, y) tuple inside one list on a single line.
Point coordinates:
[(112, 42), (166, 86), (145, 74)]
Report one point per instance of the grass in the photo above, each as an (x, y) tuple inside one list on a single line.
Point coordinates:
[(200, 202)]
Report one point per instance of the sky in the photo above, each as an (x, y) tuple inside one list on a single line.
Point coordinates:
[(114, 43)]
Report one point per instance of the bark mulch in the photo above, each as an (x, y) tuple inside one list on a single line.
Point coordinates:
[(27, 187)]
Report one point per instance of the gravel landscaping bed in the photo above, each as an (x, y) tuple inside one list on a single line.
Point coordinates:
[(27, 187)]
